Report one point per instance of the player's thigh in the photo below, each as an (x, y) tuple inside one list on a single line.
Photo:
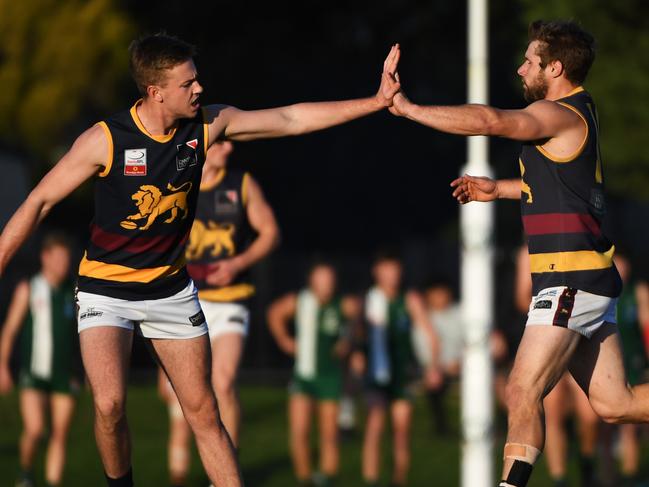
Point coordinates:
[(542, 358), (227, 350), (62, 411), (106, 354), (598, 369), (401, 416), (33, 406), (187, 364)]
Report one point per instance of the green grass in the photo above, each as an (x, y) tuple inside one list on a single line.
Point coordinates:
[(264, 455)]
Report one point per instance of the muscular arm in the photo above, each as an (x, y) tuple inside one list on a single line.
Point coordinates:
[(262, 220), (540, 120), (84, 159), (14, 321), (301, 118), (278, 316)]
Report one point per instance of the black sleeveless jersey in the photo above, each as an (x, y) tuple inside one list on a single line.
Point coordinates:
[(221, 230), (562, 205), (145, 200)]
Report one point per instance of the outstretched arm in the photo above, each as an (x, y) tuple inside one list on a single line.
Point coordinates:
[(479, 188), (540, 120), (417, 311), (262, 220), (84, 159), (235, 124)]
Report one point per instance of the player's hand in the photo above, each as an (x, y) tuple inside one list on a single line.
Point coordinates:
[(400, 103), (474, 188), (434, 378), (6, 382), (390, 85), (288, 346), (222, 273), (357, 363)]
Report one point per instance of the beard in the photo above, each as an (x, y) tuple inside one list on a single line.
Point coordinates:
[(536, 91)]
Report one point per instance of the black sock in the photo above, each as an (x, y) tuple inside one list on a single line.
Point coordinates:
[(125, 480), (587, 471), (519, 474)]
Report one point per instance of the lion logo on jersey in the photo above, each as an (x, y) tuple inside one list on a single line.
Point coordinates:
[(151, 204), (211, 236)]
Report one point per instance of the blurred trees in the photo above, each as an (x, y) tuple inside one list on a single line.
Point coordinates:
[(619, 82), (58, 60)]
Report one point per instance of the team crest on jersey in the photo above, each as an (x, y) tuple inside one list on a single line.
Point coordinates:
[(135, 162), (151, 204), (212, 238), (186, 156)]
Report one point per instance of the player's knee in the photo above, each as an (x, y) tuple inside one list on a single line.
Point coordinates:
[(34, 432), (224, 384), (109, 410), (609, 411)]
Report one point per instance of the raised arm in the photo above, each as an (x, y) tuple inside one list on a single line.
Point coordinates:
[(262, 220), (479, 188), (14, 321), (540, 120), (235, 124), (279, 314), (86, 157)]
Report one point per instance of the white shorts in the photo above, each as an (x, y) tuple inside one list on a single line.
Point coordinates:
[(178, 316), (571, 308), (223, 318)]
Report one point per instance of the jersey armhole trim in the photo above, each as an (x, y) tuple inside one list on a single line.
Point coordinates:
[(244, 189), (574, 155), (206, 131), (109, 161)]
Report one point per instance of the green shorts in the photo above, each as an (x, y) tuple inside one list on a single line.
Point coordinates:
[(59, 385), (320, 388)]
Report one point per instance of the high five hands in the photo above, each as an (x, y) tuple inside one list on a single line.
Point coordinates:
[(390, 93)]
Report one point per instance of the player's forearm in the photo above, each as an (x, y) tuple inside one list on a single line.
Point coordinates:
[(309, 117), (509, 189), (20, 226), (459, 120), (263, 245)]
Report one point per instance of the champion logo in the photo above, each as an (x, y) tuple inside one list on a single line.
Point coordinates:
[(135, 162)]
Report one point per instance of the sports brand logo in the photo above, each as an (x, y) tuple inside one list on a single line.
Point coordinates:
[(135, 162), (186, 156), (198, 319), (543, 304)]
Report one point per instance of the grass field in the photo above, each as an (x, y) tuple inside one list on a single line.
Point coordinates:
[(264, 455)]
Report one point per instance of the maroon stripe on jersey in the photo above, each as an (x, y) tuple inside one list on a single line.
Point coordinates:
[(112, 241), (198, 272), (550, 223), (565, 306)]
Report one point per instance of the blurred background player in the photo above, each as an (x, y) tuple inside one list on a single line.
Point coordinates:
[(633, 304), (320, 344), (43, 309), (445, 317), (566, 397), (390, 314), (234, 228)]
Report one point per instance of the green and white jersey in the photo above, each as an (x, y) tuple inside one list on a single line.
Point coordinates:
[(318, 328), (49, 342)]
